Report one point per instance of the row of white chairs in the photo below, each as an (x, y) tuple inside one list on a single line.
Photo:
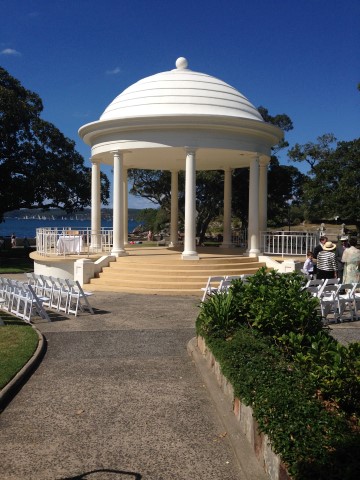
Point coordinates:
[(62, 295), (338, 301), (221, 283), (21, 300)]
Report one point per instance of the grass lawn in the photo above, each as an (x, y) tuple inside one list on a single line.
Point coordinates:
[(18, 342), (16, 261)]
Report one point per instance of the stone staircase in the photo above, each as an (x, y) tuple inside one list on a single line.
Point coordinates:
[(168, 274)]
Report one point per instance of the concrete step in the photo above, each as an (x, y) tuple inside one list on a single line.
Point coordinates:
[(137, 271), (171, 267), (156, 273)]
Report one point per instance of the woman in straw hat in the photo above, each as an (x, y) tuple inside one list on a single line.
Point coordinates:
[(326, 262)]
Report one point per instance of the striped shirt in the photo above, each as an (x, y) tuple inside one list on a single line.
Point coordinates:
[(326, 261)]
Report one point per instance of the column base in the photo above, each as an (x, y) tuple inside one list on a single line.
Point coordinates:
[(189, 256), (119, 253), (254, 252)]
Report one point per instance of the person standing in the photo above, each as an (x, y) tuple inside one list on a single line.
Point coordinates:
[(339, 253), (326, 262), (351, 259), (308, 268), (13, 240), (318, 249)]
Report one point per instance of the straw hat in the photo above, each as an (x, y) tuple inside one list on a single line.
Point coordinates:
[(329, 246)]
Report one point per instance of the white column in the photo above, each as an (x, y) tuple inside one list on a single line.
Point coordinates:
[(174, 220), (190, 252), (118, 197), (253, 233), (95, 205), (263, 189), (126, 207), (227, 209)]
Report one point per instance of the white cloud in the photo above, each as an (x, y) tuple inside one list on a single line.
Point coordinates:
[(115, 71), (9, 51)]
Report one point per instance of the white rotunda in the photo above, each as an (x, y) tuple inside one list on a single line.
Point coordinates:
[(181, 120)]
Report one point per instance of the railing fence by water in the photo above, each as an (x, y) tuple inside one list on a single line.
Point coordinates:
[(74, 241), (84, 241)]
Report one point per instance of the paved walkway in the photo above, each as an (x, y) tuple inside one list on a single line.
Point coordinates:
[(118, 397)]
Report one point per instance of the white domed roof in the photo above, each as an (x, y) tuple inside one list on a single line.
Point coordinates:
[(180, 92)]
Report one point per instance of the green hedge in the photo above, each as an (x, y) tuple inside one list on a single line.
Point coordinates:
[(303, 386)]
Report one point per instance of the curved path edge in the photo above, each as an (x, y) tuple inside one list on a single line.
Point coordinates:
[(248, 463), (11, 388)]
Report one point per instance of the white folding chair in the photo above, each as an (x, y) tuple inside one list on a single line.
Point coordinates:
[(346, 301), (329, 303), (56, 292), (214, 284), (226, 283), (64, 296), (332, 281), (315, 283), (356, 300), (5, 293), (33, 303), (76, 296), (46, 287), (314, 291), (17, 303), (36, 282)]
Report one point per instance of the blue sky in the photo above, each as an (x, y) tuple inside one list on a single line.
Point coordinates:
[(299, 57)]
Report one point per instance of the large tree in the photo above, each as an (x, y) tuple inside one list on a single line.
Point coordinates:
[(39, 166), (333, 186), (154, 185)]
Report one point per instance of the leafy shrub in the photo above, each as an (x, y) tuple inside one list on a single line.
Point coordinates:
[(313, 442), (218, 315), (276, 303), (334, 368), (303, 386)]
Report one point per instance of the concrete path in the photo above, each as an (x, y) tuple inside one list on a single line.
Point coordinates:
[(118, 397)]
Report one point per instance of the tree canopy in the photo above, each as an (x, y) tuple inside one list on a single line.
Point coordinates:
[(332, 188), (39, 166)]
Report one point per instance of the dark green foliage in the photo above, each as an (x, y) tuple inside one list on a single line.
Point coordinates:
[(218, 316), (332, 367), (303, 386), (314, 442), (332, 188), (39, 166), (274, 304)]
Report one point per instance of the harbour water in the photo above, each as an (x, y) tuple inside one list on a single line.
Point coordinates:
[(27, 227)]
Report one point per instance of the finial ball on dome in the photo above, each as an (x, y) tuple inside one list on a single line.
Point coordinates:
[(181, 63)]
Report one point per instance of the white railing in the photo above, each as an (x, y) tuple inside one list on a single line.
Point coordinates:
[(288, 243), (73, 241), (240, 238), (84, 241)]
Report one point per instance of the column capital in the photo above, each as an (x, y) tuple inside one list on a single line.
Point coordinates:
[(190, 150), (264, 162), (95, 161), (116, 152)]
